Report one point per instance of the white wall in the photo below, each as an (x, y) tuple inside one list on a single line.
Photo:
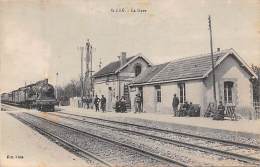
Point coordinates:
[(168, 90), (230, 70), (149, 98), (101, 84), (194, 94)]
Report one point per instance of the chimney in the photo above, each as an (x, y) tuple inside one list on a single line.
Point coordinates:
[(122, 58), (218, 49)]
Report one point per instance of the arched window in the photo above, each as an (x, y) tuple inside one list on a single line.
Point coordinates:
[(138, 69)]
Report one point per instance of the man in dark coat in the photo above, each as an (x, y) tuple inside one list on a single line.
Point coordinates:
[(117, 105), (103, 101), (96, 102), (175, 104), (122, 104), (88, 101), (137, 102), (219, 114)]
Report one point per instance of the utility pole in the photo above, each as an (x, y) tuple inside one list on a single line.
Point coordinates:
[(56, 92), (91, 71), (212, 62), (81, 72), (87, 79)]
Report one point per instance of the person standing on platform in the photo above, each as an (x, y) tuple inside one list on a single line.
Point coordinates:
[(96, 102), (137, 102), (122, 104), (219, 114), (84, 102), (87, 101), (117, 105), (175, 104), (103, 101)]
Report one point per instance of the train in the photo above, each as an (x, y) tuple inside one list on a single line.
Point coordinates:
[(39, 95)]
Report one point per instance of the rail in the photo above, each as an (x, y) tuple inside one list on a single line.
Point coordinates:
[(179, 143), (73, 147), (153, 155)]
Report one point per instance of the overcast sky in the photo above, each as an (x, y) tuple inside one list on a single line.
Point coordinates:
[(40, 38)]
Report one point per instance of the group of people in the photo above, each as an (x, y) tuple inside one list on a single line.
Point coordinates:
[(120, 104), (189, 109), (219, 114), (86, 102), (100, 103), (186, 109)]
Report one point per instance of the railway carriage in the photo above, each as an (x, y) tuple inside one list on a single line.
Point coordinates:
[(5, 97)]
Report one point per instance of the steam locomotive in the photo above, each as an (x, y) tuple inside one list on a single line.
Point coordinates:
[(39, 95)]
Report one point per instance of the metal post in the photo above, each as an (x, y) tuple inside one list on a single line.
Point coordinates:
[(87, 67), (91, 70), (81, 72), (212, 62), (56, 92)]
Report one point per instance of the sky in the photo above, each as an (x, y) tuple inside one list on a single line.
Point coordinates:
[(40, 38)]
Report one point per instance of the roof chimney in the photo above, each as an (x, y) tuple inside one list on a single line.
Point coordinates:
[(218, 49), (122, 58)]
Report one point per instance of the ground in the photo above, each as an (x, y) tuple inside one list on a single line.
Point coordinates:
[(30, 149), (247, 126), (20, 146)]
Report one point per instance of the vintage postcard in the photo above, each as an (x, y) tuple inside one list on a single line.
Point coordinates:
[(132, 83)]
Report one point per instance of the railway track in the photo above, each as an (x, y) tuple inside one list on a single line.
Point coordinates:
[(229, 149), (69, 146), (164, 161)]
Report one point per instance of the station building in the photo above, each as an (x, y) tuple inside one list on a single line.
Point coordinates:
[(191, 80), (113, 79)]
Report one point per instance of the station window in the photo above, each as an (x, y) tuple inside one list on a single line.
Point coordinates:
[(158, 93), (138, 69), (182, 88), (228, 86)]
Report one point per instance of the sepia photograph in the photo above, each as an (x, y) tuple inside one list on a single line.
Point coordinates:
[(129, 83)]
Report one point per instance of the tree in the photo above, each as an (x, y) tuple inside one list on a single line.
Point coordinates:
[(72, 89), (256, 83)]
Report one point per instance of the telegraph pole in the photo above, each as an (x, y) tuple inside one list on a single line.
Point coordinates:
[(87, 79), (81, 72), (56, 92), (212, 62), (91, 70)]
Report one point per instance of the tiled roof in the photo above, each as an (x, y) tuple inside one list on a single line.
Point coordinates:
[(110, 68), (149, 73), (191, 67)]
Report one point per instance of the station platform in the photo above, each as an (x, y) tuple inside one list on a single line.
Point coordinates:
[(20, 146), (239, 126)]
